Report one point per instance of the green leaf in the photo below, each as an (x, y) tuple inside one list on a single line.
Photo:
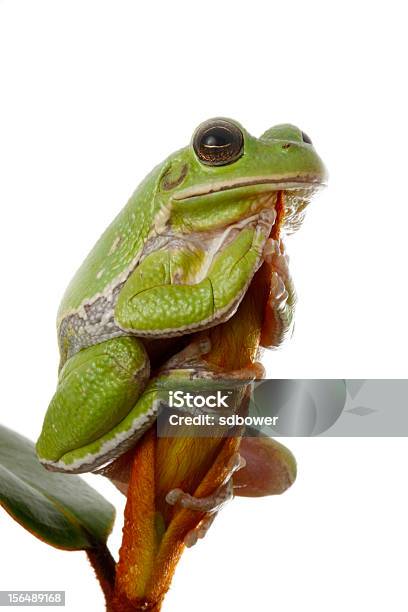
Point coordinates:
[(60, 509)]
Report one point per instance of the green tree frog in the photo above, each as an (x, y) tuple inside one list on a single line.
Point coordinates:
[(177, 259)]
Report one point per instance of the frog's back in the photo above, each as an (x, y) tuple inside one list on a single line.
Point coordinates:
[(115, 253)]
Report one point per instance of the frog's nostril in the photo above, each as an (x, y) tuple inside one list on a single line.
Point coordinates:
[(306, 138)]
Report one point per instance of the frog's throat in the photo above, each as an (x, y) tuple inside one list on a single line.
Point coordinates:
[(280, 183)]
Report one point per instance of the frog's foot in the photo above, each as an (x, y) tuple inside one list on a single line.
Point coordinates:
[(199, 532), (215, 501), (211, 504)]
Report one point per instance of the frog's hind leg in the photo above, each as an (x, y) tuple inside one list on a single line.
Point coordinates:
[(211, 505), (95, 411)]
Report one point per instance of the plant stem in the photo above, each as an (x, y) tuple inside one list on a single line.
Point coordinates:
[(104, 566), (139, 543)]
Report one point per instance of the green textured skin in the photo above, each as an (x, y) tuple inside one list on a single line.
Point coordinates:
[(165, 306), (97, 388), (163, 267), (140, 408)]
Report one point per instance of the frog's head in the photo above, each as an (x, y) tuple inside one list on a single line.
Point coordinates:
[(226, 176)]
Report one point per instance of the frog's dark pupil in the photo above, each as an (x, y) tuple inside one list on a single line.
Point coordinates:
[(217, 138)]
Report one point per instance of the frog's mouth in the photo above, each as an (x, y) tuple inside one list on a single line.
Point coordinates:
[(259, 183)]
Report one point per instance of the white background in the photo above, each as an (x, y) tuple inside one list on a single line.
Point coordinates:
[(93, 94)]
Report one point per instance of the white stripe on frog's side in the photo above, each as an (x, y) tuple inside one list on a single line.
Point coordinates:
[(93, 321), (159, 225)]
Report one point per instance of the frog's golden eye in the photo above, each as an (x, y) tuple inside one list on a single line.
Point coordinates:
[(218, 142), (306, 138)]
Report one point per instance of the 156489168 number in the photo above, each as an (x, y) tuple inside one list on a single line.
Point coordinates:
[(32, 598)]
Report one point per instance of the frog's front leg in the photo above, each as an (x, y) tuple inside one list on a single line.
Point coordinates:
[(179, 290), (280, 306), (95, 414)]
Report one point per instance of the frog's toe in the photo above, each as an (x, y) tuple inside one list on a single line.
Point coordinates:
[(211, 503)]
